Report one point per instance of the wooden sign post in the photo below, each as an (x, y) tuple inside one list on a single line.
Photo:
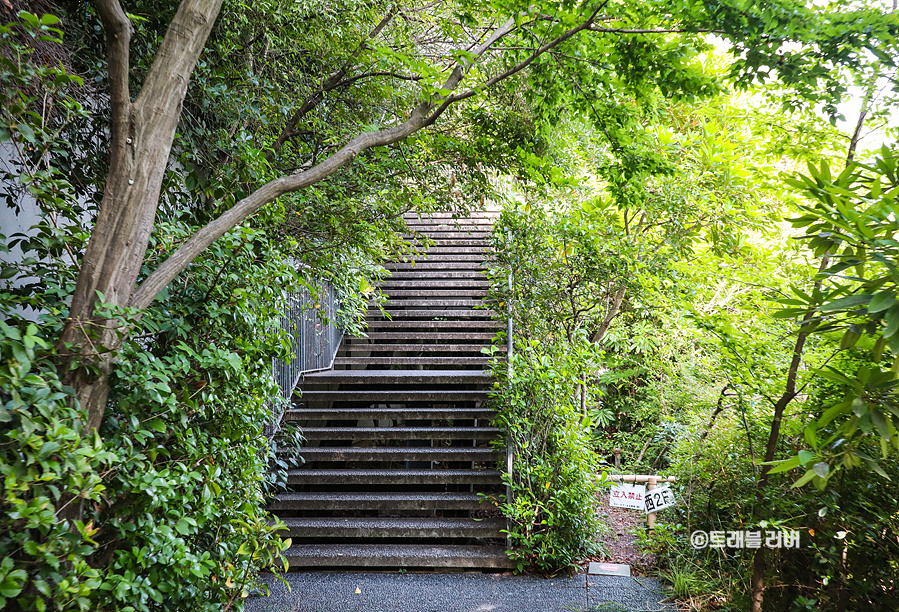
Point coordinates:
[(651, 502)]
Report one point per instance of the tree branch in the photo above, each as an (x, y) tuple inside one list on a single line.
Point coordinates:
[(528, 61), (334, 81), (423, 116), (673, 31), (118, 57)]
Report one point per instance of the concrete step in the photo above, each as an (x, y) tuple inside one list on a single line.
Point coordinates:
[(464, 219), (404, 377), (398, 412), (397, 555), (462, 240), (443, 396), (435, 274), (447, 325), (455, 228), (380, 477), (397, 453), (290, 500), (472, 292), (433, 303), (426, 265), (481, 361), (447, 236), (455, 313), (374, 527), (475, 258), (400, 433), (436, 336), (431, 283), (347, 348), (479, 219), (434, 250), (449, 217)]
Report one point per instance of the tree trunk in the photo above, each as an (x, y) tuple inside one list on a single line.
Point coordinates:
[(614, 308), (758, 562), (142, 133)]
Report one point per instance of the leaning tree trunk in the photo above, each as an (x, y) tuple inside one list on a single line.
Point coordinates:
[(142, 132)]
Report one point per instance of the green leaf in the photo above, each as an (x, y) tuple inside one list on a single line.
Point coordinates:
[(891, 319), (833, 412), (805, 456), (804, 479), (783, 466), (849, 339), (881, 301), (821, 469), (880, 423), (846, 302), (875, 467), (811, 438)]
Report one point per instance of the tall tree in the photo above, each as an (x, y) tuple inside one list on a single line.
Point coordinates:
[(463, 51)]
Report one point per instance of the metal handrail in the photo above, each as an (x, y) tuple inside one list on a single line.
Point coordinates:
[(311, 320)]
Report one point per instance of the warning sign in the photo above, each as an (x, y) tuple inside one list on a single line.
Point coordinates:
[(627, 496)]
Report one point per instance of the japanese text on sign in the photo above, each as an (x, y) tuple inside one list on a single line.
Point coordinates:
[(627, 496), (659, 499)]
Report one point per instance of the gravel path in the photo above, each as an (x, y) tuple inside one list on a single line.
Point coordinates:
[(468, 592)]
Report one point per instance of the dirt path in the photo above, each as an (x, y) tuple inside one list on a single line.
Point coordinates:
[(619, 540)]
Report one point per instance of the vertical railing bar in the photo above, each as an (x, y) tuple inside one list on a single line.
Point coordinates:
[(313, 345), (509, 454)]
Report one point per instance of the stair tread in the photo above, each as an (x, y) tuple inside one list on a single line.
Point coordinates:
[(395, 433), (437, 274), (404, 412), (425, 292), (412, 360), (404, 473), (411, 348), (347, 496), (433, 324), (408, 555), (394, 522), (481, 313), (387, 476), (441, 394), (396, 450), (307, 430), (436, 266), (429, 336), (431, 303), (326, 374)]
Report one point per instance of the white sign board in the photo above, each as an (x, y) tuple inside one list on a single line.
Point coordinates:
[(659, 499), (627, 496)]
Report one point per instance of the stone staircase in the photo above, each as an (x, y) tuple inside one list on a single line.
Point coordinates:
[(398, 446)]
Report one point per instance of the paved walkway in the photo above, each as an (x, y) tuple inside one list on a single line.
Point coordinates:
[(475, 592)]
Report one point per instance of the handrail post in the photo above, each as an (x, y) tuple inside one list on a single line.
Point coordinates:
[(509, 457)]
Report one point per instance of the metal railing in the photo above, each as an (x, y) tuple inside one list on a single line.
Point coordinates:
[(311, 320)]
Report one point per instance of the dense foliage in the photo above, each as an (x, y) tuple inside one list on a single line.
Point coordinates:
[(643, 230), (162, 507), (553, 481)]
